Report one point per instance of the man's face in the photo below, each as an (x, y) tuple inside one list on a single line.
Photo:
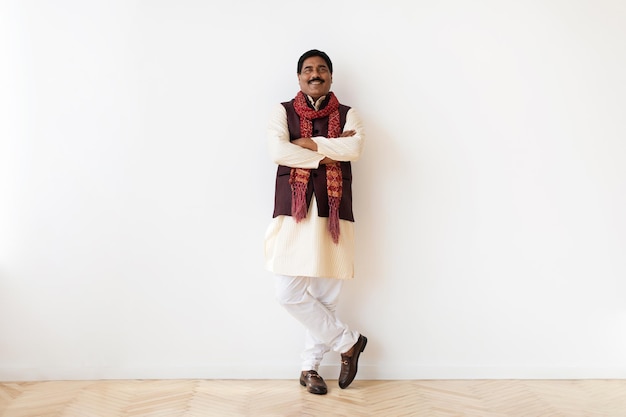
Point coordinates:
[(315, 77)]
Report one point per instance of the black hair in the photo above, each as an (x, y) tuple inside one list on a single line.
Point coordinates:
[(315, 52)]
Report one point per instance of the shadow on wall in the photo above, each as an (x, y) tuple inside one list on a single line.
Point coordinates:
[(381, 179)]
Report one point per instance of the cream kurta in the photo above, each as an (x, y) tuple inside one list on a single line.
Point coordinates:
[(306, 248)]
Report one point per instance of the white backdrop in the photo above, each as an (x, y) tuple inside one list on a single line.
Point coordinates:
[(135, 186)]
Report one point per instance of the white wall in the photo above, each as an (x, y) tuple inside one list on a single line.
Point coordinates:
[(135, 186)]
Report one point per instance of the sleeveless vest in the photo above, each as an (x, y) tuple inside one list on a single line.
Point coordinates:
[(317, 181)]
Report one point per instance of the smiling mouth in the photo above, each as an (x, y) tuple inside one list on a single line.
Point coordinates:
[(316, 81)]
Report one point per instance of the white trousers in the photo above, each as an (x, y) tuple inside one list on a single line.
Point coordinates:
[(313, 301)]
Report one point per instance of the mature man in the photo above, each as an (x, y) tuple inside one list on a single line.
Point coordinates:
[(310, 243)]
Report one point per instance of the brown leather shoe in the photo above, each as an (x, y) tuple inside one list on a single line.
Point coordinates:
[(313, 382), (350, 362)]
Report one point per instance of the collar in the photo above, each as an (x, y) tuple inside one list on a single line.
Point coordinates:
[(316, 104)]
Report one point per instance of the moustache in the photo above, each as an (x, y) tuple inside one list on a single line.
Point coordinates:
[(315, 79)]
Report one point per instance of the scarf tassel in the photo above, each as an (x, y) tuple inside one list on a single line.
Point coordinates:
[(298, 201), (333, 223)]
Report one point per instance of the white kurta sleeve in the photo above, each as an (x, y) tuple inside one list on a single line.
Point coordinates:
[(282, 151), (344, 149)]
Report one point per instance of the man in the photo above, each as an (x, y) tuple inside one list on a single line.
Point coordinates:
[(310, 243)]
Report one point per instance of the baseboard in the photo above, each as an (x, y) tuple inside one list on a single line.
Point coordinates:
[(366, 372)]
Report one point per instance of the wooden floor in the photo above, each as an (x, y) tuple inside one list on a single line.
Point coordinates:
[(224, 398)]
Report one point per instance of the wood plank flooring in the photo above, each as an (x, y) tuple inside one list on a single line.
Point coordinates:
[(225, 398)]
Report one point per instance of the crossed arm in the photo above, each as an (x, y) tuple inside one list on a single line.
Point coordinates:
[(309, 143), (315, 151)]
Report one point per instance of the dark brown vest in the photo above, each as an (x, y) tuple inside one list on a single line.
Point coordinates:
[(317, 181)]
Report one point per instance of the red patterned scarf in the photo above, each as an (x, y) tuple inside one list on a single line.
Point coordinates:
[(299, 177)]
